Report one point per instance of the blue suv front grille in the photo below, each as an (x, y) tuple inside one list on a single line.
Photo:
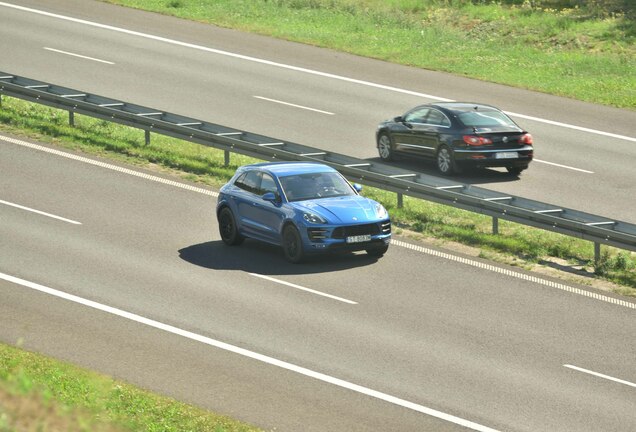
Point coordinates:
[(354, 230)]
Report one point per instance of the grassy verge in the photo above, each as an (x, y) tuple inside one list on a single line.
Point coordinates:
[(516, 244), (587, 52), (41, 394)]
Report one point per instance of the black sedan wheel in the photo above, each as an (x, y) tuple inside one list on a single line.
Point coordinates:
[(515, 171), (384, 147), (445, 161), (292, 245), (227, 228)]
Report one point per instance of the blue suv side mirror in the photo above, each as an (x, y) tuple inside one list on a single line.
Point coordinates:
[(271, 197)]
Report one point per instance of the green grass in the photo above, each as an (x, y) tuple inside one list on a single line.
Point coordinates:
[(100, 137), (516, 244), (587, 53), (38, 393)]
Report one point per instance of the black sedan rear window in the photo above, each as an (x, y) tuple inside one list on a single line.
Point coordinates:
[(485, 118)]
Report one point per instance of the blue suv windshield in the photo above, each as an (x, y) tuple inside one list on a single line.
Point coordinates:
[(299, 187)]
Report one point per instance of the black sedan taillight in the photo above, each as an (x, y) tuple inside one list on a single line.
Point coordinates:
[(526, 139)]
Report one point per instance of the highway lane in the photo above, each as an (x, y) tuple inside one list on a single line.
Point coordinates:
[(216, 78), (456, 337)]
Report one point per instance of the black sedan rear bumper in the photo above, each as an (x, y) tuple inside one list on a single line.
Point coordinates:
[(507, 157)]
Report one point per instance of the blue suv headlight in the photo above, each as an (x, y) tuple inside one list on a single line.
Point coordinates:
[(314, 218), (380, 211)]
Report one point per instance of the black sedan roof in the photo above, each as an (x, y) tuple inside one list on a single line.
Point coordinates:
[(462, 106)]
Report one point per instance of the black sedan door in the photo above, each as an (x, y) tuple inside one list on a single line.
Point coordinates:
[(413, 135)]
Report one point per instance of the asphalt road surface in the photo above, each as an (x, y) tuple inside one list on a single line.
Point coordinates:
[(124, 272), (312, 96)]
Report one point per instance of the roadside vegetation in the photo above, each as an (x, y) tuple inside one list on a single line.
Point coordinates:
[(582, 49), (45, 395)]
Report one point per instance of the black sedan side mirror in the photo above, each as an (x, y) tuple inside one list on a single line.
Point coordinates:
[(400, 119)]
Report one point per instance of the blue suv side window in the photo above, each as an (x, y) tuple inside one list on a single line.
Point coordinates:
[(268, 185), (250, 182), (257, 182)]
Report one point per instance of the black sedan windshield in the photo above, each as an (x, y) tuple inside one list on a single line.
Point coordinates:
[(301, 187)]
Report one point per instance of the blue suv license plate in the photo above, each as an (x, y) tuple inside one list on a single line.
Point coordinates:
[(358, 238)]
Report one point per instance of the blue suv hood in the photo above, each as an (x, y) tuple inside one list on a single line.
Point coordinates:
[(344, 210)]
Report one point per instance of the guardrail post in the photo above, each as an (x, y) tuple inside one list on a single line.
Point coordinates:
[(0, 100), (597, 254), (531, 213)]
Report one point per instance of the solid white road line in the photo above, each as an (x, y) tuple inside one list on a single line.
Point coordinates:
[(569, 126), (563, 166), (294, 105), (78, 55), (109, 166), (294, 68), (40, 212), (600, 375), (271, 279), (514, 274), (249, 354)]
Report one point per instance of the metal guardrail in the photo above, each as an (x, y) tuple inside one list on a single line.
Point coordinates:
[(574, 223)]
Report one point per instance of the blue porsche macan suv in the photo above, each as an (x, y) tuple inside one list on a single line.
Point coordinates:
[(304, 207)]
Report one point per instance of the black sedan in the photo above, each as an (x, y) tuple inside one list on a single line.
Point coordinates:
[(457, 135)]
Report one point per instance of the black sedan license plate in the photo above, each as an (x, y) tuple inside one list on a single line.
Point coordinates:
[(359, 238), (506, 155)]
